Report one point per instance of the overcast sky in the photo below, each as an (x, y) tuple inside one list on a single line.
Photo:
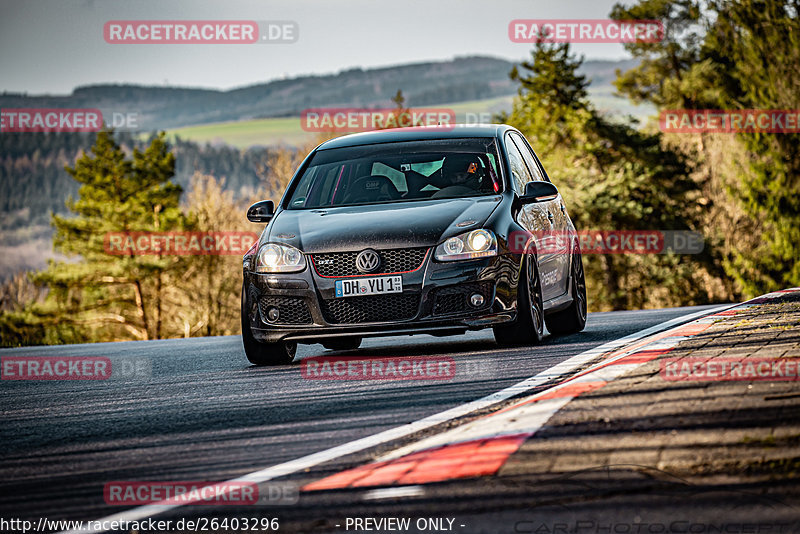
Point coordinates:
[(52, 46)]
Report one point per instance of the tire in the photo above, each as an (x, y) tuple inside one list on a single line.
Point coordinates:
[(342, 343), (528, 329), (258, 353), (572, 319)]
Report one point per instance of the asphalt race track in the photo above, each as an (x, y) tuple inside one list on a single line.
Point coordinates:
[(203, 413)]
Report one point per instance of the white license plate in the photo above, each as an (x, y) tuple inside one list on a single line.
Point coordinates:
[(369, 286)]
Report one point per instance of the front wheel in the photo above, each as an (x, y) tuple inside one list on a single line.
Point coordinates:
[(528, 329), (258, 353), (573, 319)]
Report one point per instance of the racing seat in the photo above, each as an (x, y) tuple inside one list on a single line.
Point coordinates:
[(373, 188)]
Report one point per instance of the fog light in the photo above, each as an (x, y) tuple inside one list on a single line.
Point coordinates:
[(476, 300), (273, 315)]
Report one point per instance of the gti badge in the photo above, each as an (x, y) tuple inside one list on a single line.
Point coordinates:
[(368, 261)]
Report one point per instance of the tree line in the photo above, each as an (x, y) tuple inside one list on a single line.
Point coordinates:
[(33, 182), (429, 83)]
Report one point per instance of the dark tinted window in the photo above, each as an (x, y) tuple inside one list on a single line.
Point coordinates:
[(528, 156), (520, 175)]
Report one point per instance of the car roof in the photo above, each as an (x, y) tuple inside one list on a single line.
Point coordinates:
[(419, 133)]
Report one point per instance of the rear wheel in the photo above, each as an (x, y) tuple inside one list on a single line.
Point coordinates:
[(573, 319), (528, 329), (342, 343), (258, 353)]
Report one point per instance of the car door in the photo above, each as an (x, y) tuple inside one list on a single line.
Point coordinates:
[(534, 218), (556, 281)]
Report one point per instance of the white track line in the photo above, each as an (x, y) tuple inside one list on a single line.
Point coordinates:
[(394, 493), (571, 364), (527, 417)]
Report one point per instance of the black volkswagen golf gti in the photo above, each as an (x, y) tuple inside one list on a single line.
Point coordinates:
[(417, 230)]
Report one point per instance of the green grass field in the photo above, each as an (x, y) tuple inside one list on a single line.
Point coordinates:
[(288, 130), (244, 134)]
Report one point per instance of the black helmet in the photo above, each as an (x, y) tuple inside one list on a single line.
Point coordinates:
[(457, 166)]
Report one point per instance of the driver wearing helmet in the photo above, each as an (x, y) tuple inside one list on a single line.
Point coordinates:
[(461, 174)]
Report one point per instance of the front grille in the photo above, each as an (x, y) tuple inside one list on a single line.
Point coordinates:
[(370, 309), (291, 310), (455, 299), (398, 260)]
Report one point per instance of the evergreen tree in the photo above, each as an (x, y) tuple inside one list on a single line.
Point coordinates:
[(110, 295), (401, 115)]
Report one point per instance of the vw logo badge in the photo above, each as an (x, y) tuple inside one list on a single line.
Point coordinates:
[(368, 261)]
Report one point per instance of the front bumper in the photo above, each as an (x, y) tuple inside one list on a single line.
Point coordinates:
[(435, 300)]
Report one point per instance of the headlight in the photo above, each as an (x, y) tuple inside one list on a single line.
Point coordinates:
[(474, 244), (275, 258)]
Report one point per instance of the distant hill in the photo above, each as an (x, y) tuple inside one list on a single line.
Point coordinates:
[(423, 84), (228, 133)]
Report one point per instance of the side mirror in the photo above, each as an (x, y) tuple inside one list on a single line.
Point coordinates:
[(539, 191), (261, 212)]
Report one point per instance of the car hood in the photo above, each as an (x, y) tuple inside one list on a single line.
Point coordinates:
[(380, 226)]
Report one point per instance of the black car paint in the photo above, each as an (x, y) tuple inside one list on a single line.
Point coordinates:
[(424, 223), (407, 224)]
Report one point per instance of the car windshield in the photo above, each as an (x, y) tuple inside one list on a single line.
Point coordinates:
[(397, 172)]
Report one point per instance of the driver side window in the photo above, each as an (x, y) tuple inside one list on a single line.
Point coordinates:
[(520, 175), (529, 158)]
